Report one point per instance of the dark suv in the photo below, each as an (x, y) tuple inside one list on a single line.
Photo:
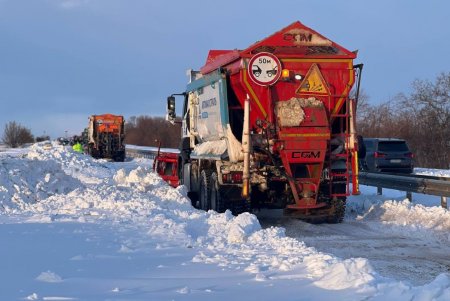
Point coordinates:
[(390, 155)]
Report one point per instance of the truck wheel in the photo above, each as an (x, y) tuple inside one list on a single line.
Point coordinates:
[(193, 184), (91, 150), (122, 157), (338, 209), (217, 201), (119, 158), (205, 190)]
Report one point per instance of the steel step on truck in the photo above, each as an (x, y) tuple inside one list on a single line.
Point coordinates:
[(271, 126)]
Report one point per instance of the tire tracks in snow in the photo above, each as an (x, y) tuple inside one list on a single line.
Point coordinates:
[(411, 257)]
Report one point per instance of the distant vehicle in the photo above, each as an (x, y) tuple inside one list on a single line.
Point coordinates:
[(63, 141), (106, 136), (388, 155)]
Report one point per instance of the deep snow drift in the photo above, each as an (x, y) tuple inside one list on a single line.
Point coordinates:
[(79, 228)]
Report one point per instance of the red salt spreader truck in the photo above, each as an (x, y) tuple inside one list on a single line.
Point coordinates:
[(272, 126)]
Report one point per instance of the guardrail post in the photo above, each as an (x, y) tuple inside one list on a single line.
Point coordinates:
[(409, 195), (444, 202), (379, 190)]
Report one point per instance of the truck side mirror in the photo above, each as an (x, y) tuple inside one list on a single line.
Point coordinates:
[(171, 115)]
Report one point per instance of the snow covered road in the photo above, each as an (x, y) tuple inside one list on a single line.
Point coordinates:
[(91, 261), (417, 259), (75, 228)]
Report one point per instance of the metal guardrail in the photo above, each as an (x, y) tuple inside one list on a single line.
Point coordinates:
[(409, 183), (137, 153), (147, 152)]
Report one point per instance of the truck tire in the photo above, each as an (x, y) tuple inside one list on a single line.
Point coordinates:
[(92, 151), (216, 200), (204, 193), (338, 209), (120, 157), (188, 178)]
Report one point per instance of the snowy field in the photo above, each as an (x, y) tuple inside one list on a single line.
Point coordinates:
[(75, 228)]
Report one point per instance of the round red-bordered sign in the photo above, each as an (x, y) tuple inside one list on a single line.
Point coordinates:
[(264, 68)]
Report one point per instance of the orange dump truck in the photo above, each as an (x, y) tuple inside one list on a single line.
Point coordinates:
[(106, 137)]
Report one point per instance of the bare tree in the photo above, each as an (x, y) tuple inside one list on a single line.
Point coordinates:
[(363, 99), (430, 107), (422, 119), (16, 135)]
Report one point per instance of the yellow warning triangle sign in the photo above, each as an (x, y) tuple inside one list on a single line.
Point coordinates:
[(313, 82)]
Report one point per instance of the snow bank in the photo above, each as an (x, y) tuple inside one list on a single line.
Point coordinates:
[(79, 166), (28, 181), (432, 172), (404, 214), (60, 185)]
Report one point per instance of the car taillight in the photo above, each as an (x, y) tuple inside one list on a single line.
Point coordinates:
[(409, 155), (379, 155), (232, 177)]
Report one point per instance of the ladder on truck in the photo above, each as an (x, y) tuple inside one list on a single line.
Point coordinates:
[(348, 155)]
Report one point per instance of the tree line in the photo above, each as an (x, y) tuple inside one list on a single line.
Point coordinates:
[(422, 118), (149, 131)]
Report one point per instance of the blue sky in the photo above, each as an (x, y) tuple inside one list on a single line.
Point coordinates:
[(64, 60)]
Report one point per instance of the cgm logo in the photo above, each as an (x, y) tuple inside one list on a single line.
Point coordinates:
[(306, 155), (298, 37)]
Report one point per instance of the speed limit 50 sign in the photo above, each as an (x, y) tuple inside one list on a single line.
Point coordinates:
[(264, 68)]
